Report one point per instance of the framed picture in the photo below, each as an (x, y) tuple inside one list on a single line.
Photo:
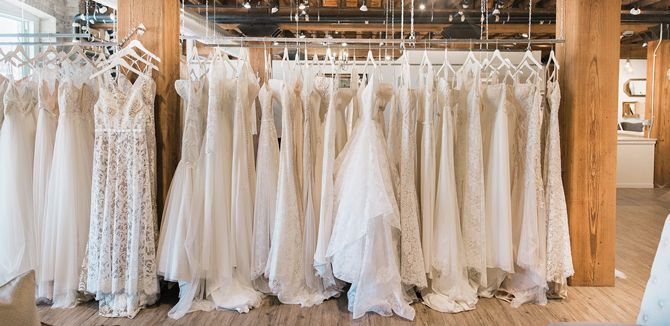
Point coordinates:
[(630, 110)]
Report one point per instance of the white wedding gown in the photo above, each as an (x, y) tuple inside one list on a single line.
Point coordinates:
[(17, 142), (337, 103), (4, 82), (559, 255), (529, 282), (225, 239), (45, 135), (120, 265), (364, 244), (470, 174), (68, 200), (412, 268), (496, 114), (449, 288), (287, 267), (267, 170)]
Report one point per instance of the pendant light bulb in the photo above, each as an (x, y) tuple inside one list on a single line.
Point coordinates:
[(422, 6), (451, 18), (364, 8), (462, 18), (274, 10), (247, 5), (635, 11), (644, 45), (628, 66)]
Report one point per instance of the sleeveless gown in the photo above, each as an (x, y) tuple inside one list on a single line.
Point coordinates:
[(68, 200), (120, 265), (17, 142)]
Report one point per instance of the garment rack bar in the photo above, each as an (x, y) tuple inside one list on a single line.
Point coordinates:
[(100, 44), (47, 35), (372, 42)]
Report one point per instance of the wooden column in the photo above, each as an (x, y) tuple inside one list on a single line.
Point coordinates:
[(588, 117), (661, 98), (161, 18)]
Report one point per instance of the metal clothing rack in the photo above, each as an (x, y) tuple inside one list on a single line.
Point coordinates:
[(69, 43), (275, 42), (47, 35)]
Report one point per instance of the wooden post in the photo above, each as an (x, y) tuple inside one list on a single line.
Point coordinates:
[(661, 123), (588, 118), (161, 19)]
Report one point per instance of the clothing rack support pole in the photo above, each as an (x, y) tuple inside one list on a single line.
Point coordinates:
[(660, 84), (588, 118), (161, 19)]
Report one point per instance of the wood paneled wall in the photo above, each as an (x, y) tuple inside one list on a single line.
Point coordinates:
[(161, 18), (588, 118), (661, 125)]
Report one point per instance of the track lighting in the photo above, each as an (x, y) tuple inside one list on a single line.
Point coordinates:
[(496, 11), (497, 18), (451, 18), (465, 4), (302, 35), (302, 6), (275, 43), (462, 18), (102, 9), (247, 5), (644, 45), (422, 6), (274, 9)]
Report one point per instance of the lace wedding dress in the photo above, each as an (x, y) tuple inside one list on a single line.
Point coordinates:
[(68, 199), (449, 289), (267, 170), (528, 284), (120, 266), (45, 135), (559, 255), (470, 174), (364, 244), (286, 268), (412, 268), (17, 143), (495, 116)]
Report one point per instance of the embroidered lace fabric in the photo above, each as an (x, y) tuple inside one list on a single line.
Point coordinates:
[(120, 265)]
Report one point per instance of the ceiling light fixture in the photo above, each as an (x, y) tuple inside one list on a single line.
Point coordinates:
[(274, 9), (451, 18), (635, 11), (462, 18), (102, 9), (644, 45), (275, 43), (344, 44), (524, 35), (422, 6), (364, 7), (246, 5), (302, 6), (302, 35), (496, 11), (465, 4)]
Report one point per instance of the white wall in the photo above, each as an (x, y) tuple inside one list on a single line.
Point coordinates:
[(639, 71)]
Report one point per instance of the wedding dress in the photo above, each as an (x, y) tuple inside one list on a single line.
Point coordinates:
[(449, 289), (364, 244), (286, 268), (495, 116), (45, 135), (412, 268), (267, 170), (528, 284), (17, 143), (470, 174), (427, 160), (4, 82), (120, 265), (226, 239), (337, 103), (68, 201), (173, 256), (559, 256)]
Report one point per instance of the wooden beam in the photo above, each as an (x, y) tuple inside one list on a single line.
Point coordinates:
[(161, 19), (589, 76), (661, 118)]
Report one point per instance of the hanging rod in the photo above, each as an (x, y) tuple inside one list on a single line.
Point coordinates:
[(47, 35), (372, 42), (100, 44)]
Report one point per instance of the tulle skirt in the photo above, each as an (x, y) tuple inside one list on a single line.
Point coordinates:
[(67, 212), (17, 237), (44, 149)]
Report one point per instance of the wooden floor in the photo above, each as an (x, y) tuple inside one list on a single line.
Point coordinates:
[(640, 217)]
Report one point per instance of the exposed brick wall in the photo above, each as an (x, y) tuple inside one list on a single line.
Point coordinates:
[(63, 10)]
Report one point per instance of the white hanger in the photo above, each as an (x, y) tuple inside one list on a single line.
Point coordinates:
[(446, 64), (552, 58), (79, 52), (528, 56), (114, 63), (471, 59), (130, 52), (136, 44)]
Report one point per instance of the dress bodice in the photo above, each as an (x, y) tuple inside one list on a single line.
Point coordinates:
[(76, 93), (47, 92), (123, 105), (265, 96), (20, 98), (195, 94), (222, 89)]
